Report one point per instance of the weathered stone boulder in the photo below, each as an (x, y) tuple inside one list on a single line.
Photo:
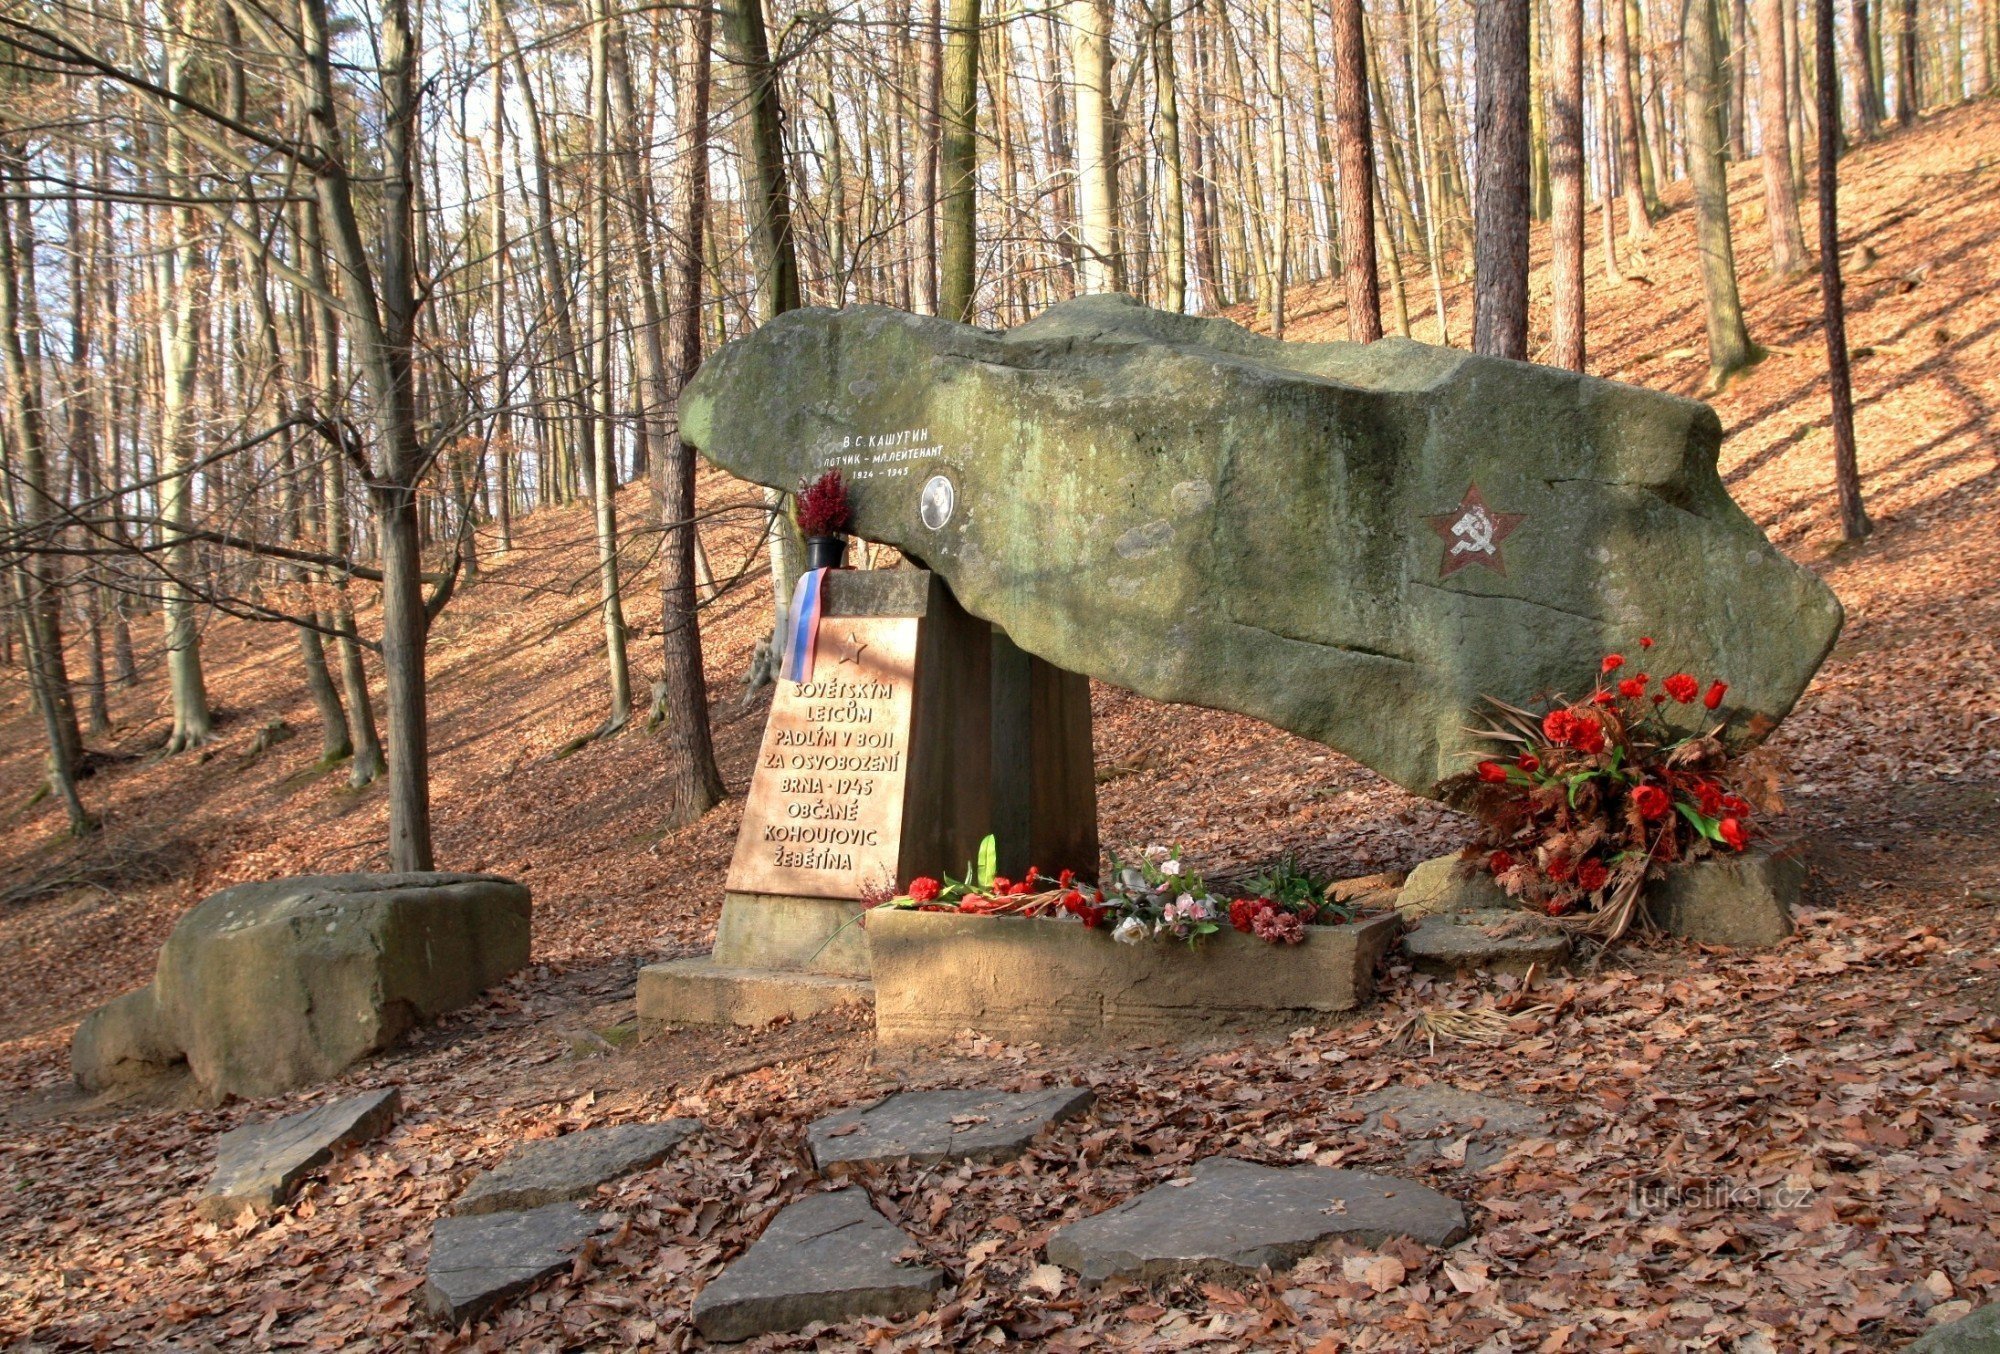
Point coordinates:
[(268, 986), (1449, 884), (1744, 901), (1353, 542)]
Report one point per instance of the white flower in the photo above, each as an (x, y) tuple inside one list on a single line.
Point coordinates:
[(1171, 867), (1186, 900), (1157, 853), (1130, 931)]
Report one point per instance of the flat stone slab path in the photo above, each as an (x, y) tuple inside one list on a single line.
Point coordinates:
[(480, 1261), (828, 1257), (1238, 1216), (571, 1167), (258, 1165), (928, 1126), (1488, 940), (1433, 1118)]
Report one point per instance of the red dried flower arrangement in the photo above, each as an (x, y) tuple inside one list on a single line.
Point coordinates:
[(823, 508), (1604, 792)]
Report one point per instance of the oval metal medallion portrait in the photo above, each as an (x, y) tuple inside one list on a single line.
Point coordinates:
[(936, 502)]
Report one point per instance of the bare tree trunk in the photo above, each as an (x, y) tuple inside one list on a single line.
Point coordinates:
[(1500, 269), (930, 102), (958, 164), (496, 207), (35, 582), (1426, 177), (1854, 524), (604, 477), (1607, 161), (1174, 207), (691, 783), (1280, 176), (1624, 83), (1781, 207), (1908, 92), (182, 283), (1729, 346), (1566, 183), (1090, 54), (1739, 77), (1355, 141), (368, 762), (1859, 78)]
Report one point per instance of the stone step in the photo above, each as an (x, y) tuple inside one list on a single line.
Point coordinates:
[(1433, 1117), (479, 1262), (1238, 1217), (555, 1170), (828, 1257), (1489, 940), (698, 991), (258, 1165), (930, 1126)]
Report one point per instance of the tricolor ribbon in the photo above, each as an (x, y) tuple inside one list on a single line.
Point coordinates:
[(808, 598)]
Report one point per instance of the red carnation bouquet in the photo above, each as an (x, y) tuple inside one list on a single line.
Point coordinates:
[(1603, 793), (823, 509)]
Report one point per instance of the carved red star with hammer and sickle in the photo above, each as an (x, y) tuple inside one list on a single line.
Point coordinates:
[(1472, 534)]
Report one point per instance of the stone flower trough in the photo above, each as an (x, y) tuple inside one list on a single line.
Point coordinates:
[(1040, 979)]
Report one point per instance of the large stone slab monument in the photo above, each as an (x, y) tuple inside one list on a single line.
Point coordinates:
[(1353, 542)]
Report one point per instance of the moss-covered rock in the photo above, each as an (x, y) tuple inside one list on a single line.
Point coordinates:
[(1287, 530)]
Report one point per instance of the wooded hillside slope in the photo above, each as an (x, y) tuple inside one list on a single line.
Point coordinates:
[(517, 669)]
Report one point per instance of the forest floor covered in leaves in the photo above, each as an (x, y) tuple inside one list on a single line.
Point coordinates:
[(1855, 1062)]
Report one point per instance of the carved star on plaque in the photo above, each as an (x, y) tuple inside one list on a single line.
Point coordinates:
[(1472, 534), (853, 649)]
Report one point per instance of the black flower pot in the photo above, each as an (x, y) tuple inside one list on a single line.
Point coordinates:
[(826, 552)]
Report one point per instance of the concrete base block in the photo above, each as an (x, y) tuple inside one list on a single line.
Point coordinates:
[(699, 991), (810, 935), (1050, 981)]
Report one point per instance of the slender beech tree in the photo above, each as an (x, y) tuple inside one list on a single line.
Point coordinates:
[(1566, 205), (958, 165), (1173, 209), (1781, 204), (1100, 267), (1500, 222), (1729, 346), (1625, 115)]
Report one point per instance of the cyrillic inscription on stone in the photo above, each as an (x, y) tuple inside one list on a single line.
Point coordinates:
[(824, 816)]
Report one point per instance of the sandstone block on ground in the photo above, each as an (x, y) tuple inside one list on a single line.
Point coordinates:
[(1031, 979), (1497, 940), (124, 1040), (1355, 542), (1238, 1217), (258, 1165), (555, 1170), (269, 986), (828, 1257), (1741, 900), (1449, 884), (479, 1262), (927, 1126)]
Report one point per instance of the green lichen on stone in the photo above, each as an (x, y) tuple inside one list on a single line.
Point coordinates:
[(1200, 514)]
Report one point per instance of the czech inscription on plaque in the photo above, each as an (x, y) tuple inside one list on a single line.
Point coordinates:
[(824, 818)]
